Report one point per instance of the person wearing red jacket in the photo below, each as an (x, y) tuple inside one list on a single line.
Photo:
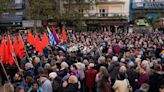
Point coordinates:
[(90, 75)]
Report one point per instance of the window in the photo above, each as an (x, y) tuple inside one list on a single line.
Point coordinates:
[(19, 13), (81, 10), (103, 12), (5, 13), (92, 8), (18, 1)]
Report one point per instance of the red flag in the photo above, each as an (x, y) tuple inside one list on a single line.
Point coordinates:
[(9, 54), (38, 45), (16, 46), (64, 35), (44, 41), (21, 47), (55, 34), (30, 38), (2, 51)]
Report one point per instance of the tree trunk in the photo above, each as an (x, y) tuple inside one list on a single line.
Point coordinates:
[(35, 26)]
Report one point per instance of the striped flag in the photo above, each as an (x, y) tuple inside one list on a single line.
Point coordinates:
[(55, 34), (52, 39)]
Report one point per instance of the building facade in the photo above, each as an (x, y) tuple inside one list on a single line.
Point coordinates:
[(111, 14), (14, 18), (105, 14), (97, 14), (151, 10)]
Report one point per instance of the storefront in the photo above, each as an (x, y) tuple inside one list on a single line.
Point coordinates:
[(112, 25)]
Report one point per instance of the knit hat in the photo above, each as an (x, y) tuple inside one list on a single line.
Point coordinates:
[(53, 75)]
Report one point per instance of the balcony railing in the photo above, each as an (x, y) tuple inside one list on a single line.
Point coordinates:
[(74, 1), (19, 6), (11, 18), (13, 5), (97, 1), (109, 1), (148, 5), (106, 15)]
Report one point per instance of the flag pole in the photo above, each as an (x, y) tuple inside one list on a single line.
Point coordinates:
[(25, 48), (15, 59), (3, 68), (14, 56)]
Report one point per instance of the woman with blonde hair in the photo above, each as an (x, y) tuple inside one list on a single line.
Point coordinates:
[(103, 80), (8, 87), (102, 71)]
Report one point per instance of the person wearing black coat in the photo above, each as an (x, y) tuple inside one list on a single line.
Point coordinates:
[(113, 70), (156, 79), (72, 85), (71, 88), (132, 75)]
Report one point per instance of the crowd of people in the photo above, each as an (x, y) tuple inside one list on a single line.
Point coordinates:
[(93, 62)]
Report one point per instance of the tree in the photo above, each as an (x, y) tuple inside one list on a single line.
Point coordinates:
[(40, 10), (74, 11), (4, 6)]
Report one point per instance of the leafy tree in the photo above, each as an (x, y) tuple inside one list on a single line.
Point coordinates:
[(4, 6), (75, 10), (40, 10)]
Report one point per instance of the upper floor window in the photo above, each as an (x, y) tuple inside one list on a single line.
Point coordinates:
[(81, 10), (18, 1), (103, 12), (19, 13), (5, 13)]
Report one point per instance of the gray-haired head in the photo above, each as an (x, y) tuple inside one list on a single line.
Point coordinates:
[(145, 87), (101, 59), (114, 58), (64, 64)]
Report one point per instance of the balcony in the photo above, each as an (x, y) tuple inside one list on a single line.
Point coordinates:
[(19, 6), (148, 5), (106, 15), (11, 18), (13, 5), (75, 1), (110, 1)]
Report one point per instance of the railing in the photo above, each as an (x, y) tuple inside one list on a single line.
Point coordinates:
[(19, 6), (74, 1), (110, 1), (97, 1), (11, 18), (14, 6), (107, 15), (148, 5)]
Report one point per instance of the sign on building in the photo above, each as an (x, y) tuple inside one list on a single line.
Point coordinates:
[(30, 23)]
